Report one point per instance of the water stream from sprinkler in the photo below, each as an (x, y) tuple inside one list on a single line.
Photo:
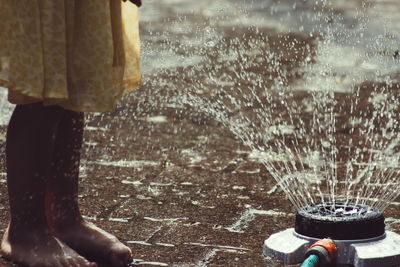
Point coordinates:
[(312, 87)]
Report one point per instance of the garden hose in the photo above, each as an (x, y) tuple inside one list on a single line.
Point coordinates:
[(311, 261), (322, 253)]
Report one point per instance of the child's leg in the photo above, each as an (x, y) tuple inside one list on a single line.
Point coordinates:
[(29, 148), (63, 211), (62, 186)]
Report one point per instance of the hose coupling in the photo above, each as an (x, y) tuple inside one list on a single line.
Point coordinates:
[(326, 251)]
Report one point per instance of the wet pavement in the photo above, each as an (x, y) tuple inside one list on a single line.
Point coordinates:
[(164, 174)]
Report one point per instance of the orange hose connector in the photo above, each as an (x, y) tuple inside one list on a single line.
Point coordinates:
[(327, 244), (326, 251)]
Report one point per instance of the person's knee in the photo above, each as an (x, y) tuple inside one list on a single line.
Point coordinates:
[(39, 111)]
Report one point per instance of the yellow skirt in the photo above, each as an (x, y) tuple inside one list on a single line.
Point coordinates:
[(82, 55)]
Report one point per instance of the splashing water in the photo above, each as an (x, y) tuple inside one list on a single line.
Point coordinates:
[(311, 86)]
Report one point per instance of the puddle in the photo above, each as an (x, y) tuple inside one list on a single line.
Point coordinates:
[(157, 119), (268, 156), (123, 220), (192, 157), (5, 107), (136, 183), (166, 219), (127, 164), (143, 243)]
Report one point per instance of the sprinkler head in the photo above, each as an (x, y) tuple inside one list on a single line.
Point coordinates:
[(339, 221)]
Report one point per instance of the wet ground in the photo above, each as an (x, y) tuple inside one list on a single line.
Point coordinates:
[(166, 176)]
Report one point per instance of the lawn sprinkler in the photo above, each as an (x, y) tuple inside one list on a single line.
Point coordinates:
[(332, 234)]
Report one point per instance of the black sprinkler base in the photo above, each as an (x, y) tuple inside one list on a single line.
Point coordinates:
[(339, 221)]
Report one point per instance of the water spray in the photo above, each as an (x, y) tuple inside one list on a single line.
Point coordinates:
[(340, 233)]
